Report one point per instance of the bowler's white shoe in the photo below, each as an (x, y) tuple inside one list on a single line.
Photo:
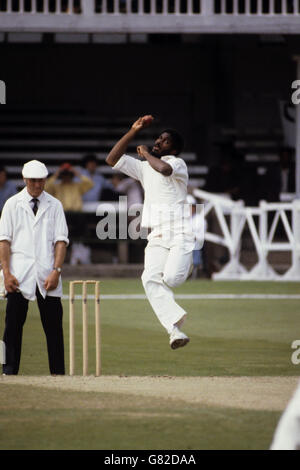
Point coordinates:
[(178, 339)]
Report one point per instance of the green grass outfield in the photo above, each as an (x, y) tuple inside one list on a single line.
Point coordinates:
[(229, 338)]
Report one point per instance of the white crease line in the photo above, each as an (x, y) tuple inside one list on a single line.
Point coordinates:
[(197, 297)]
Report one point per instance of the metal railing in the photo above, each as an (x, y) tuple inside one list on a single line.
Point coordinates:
[(170, 16)]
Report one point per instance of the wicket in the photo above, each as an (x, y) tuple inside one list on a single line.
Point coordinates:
[(84, 285)]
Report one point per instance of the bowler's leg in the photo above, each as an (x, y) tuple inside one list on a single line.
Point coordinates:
[(158, 293), (177, 269), (16, 312), (51, 315), (178, 266)]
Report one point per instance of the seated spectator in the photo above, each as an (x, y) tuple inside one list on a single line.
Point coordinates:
[(7, 188), (101, 185), (62, 186)]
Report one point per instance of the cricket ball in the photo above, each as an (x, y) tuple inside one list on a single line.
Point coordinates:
[(147, 120)]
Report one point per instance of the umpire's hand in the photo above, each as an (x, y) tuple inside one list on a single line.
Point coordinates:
[(52, 281), (11, 283)]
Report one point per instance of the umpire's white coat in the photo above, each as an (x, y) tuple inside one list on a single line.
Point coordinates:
[(32, 240)]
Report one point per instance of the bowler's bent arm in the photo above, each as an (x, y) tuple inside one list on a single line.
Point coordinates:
[(121, 146)]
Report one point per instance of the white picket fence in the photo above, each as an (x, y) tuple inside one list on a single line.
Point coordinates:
[(151, 16), (262, 222)]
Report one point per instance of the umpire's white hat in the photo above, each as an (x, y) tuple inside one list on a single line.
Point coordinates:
[(34, 169)]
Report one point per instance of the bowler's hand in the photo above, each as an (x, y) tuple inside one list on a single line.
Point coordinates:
[(142, 150), (52, 281), (142, 122), (11, 283)]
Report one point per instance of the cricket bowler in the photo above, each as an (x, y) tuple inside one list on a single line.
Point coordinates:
[(168, 255)]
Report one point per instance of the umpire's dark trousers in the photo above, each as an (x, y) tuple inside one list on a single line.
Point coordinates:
[(51, 316)]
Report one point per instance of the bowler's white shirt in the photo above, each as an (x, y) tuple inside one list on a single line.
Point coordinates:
[(32, 239), (165, 196)]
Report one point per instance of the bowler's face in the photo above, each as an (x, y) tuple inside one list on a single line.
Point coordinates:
[(163, 146), (35, 186)]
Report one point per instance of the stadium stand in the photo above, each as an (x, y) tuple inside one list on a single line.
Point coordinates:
[(66, 135), (59, 135)]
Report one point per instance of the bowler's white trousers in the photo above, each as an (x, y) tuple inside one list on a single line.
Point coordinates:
[(167, 264)]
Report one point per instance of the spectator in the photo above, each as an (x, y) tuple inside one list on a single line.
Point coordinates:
[(62, 186), (279, 178), (128, 186), (69, 192), (100, 183), (198, 227), (225, 178), (7, 188), (286, 171)]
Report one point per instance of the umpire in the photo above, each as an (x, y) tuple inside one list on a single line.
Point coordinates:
[(33, 241)]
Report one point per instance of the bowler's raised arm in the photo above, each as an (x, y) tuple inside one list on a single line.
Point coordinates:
[(121, 146)]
